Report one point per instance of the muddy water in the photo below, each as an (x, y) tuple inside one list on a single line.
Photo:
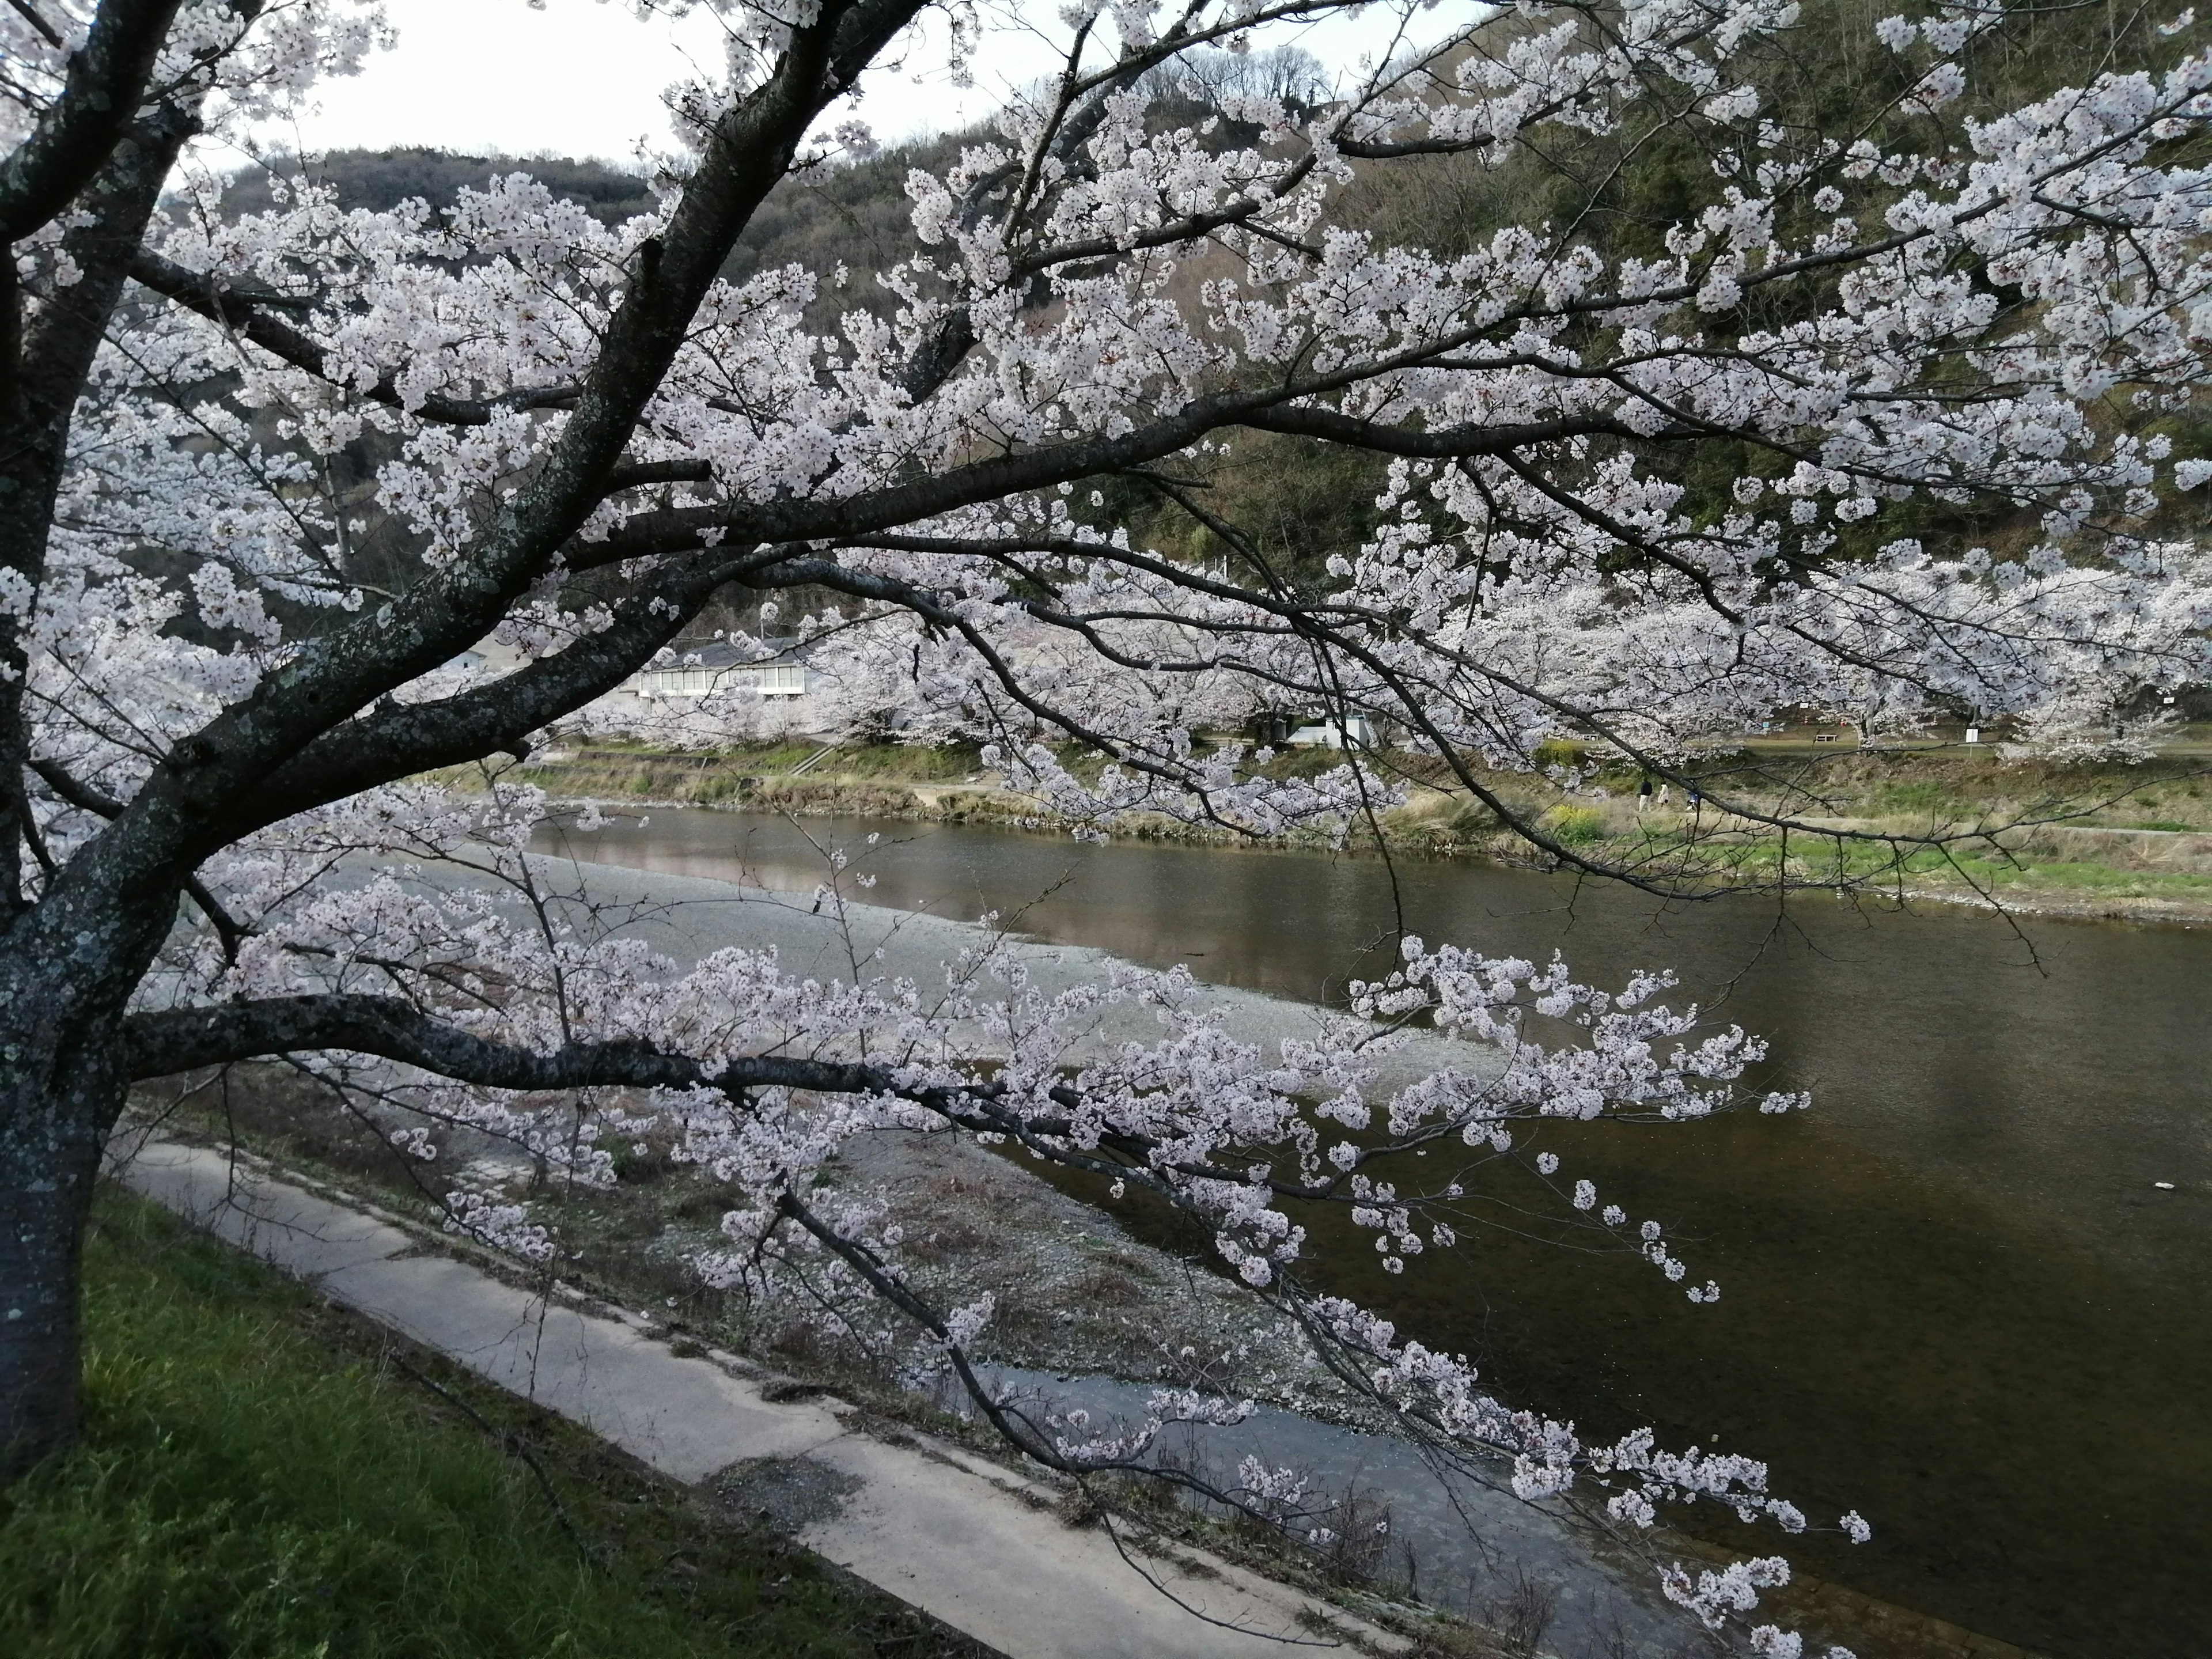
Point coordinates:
[(1953, 1297)]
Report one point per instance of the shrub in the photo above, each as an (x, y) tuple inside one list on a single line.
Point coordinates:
[(1575, 825), (1559, 751)]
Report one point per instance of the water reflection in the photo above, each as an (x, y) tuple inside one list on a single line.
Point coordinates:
[(1953, 1298)]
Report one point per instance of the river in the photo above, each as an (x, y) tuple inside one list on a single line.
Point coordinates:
[(1955, 1298)]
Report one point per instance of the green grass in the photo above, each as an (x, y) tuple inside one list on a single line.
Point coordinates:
[(1575, 825), (1907, 792), (2093, 877), (256, 1480), (1921, 795)]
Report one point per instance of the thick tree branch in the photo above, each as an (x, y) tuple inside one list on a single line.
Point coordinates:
[(246, 312), (175, 822), (1456, 442), (185, 1039), (161, 1043), (86, 799), (397, 739), (30, 15), (637, 475), (101, 91), (852, 517)]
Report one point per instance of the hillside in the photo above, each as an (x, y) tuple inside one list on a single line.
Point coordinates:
[(855, 215)]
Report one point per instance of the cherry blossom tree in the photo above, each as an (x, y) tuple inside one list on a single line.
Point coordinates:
[(210, 717)]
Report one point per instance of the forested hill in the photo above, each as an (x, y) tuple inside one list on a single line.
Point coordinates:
[(379, 179), (855, 216)]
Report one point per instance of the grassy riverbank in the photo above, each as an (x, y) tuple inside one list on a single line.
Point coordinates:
[(2125, 840), (971, 1202), (263, 1475), (1079, 1291)]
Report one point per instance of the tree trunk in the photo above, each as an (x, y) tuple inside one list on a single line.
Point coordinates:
[(63, 1074), (43, 1207)]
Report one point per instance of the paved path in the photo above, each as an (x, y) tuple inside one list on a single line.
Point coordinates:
[(961, 1538)]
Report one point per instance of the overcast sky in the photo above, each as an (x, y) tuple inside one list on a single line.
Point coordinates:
[(585, 78)]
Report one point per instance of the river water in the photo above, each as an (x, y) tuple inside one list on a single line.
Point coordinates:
[(1953, 1297)]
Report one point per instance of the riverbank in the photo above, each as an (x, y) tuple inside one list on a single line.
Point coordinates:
[(1080, 1292), (957, 1539), (264, 1473), (2104, 841), (1462, 1570)]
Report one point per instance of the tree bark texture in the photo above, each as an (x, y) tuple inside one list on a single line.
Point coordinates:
[(51, 1132)]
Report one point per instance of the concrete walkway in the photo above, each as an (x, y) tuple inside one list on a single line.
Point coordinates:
[(970, 1543)]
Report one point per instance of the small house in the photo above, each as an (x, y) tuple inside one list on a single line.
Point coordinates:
[(1353, 731)]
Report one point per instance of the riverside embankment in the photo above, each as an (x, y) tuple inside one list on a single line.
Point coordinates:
[(2107, 841)]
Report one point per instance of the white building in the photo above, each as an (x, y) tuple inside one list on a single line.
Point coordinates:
[(1355, 731), (699, 670)]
